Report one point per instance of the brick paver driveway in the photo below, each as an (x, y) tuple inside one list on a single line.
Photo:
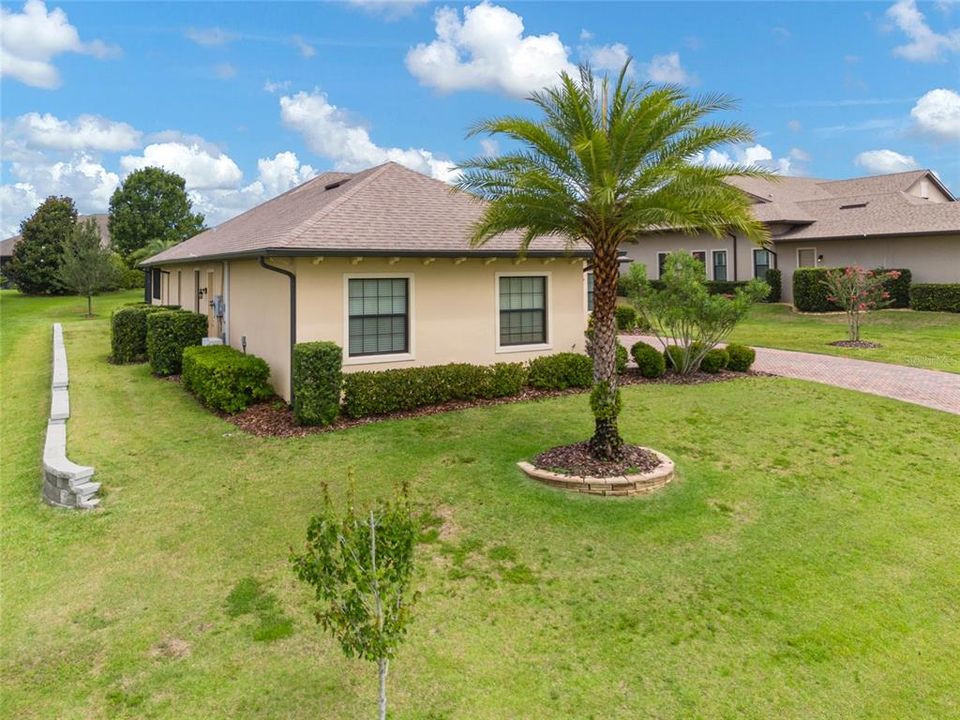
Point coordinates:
[(931, 388)]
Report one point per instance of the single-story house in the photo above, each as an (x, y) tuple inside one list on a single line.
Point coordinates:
[(903, 220), (7, 245), (377, 261)]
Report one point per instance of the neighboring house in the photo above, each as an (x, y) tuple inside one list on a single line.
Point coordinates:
[(905, 220), (377, 261), (7, 246)]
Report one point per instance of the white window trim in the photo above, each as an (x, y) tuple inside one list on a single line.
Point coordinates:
[(713, 265), (814, 256), (548, 345), (660, 274), (411, 315)]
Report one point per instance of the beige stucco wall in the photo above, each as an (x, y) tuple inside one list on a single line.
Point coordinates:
[(453, 308), (933, 259), (646, 249)]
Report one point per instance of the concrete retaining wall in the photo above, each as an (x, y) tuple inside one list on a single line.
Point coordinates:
[(65, 484)]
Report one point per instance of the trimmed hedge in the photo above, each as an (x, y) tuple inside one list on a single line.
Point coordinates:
[(942, 297), (714, 361), (622, 358), (168, 333), (626, 318), (899, 289), (128, 332), (774, 279), (224, 378), (317, 382), (649, 360), (385, 391), (809, 291), (561, 371), (740, 357)]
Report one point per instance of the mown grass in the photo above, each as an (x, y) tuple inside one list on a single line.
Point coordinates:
[(918, 339), (805, 564)]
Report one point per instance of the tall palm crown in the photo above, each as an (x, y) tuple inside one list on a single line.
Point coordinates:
[(603, 173)]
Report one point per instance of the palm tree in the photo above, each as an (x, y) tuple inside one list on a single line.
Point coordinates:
[(603, 173), (153, 247)]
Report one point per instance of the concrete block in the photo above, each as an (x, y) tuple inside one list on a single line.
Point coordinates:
[(59, 404)]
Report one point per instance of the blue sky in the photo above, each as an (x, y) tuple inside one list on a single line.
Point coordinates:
[(246, 99)]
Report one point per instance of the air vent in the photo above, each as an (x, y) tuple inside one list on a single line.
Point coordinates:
[(852, 206), (335, 184)]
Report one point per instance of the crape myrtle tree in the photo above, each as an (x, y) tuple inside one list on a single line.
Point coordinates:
[(151, 205), (36, 258), (86, 267), (601, 168), (858, 292)]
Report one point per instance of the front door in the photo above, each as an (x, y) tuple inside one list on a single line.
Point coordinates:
[(807, 257)]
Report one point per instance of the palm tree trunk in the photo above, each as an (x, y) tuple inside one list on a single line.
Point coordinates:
[(606, 443)]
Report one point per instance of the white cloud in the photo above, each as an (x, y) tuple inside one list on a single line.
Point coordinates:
[(31, 39), (86, 132), (17, 201), (305, 49), (885, 161), (224, 71), (925, 44), (210, 37), (607, 57), (329, 132), (487, 50), (938, 114), (794, 125), (271, 87), (390, 9), (199, 166), (760, 156), (490, 146), (799, 155), (667, 69)]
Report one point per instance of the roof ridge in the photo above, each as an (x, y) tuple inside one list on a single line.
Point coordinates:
[(881, 175), (371, 173)]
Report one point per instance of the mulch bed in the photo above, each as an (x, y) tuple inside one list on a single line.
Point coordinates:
[(854, 344), (275, 419), (576, 460)]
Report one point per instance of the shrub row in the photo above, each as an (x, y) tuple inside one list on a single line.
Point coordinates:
[(561, 371), (168, 333), (810, 293), (224, 378), (128, 332), (898, 288), (385, 391), (942, 297)]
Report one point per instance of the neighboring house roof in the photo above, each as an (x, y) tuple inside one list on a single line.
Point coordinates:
[(7, 245), (875, 206), (385, 210)]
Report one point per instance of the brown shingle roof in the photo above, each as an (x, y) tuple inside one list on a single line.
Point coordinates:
[(8, 244), (385, 210)]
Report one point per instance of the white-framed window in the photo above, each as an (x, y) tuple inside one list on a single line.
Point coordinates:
[(589, 292), (378, 317), (761, 263), (523, 311), (719, 261), (661, 263)]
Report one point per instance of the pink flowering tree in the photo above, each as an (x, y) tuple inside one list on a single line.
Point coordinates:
[(858, 291)]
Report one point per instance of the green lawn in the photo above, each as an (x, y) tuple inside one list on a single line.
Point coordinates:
[(918, 339), (805, 564)]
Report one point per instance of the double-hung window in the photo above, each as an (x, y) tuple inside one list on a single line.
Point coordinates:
[(379, 311), (590, 292), (720, 265), (761, 263), (523, 310)]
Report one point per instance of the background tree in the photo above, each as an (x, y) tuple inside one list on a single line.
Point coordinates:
[(151, 204), (603, 173), (360, 567), (86, 267), (153, 247), (36, 258)]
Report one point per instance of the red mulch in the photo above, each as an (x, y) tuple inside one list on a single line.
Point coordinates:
[(863, 344), (275, 419), (576, 460)]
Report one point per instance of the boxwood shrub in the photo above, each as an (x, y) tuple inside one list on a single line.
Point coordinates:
[(626, 318), (809, 291), (649, 360), (943, 297), (128, 332), (899, 289), (561, 371), (317, 382), (385, 391), (168, 333), (714, 361), (741, 357), (774, 279), (672, 357), (224, 378)]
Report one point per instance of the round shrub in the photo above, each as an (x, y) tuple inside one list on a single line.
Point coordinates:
[(650, 362), (168, 333), (741, 357), (561, 371), (714, 361), (224, 378), (317, 380), (673, 357), (626, 318), (622, 357)]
